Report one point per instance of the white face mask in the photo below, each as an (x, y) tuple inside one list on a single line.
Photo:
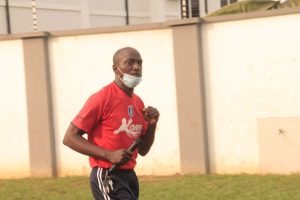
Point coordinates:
[(130, 81)]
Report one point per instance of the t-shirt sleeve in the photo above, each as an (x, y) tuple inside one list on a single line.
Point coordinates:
[(90, 115)]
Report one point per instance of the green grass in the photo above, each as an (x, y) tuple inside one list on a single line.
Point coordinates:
[(189, 187)]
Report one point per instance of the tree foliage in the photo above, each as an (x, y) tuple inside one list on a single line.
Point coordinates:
[(253, 5)]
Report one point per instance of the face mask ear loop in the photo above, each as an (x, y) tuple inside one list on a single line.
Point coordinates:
[(122, 73), (118, 74)]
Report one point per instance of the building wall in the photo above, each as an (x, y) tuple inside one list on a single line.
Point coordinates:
[(226, 88), (53, 15), (66, 15), (14, 144), (3, 26), (251, 73)]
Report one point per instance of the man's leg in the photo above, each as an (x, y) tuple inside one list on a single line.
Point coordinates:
[(97, 178), (121, 185), (125, 185)]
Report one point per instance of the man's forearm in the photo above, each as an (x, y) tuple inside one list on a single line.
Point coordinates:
[(148, 140)]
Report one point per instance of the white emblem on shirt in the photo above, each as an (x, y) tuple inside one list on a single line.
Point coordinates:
[(132, 130)]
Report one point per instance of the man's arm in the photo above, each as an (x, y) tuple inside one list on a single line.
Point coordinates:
[(151, 115), (75, 140)]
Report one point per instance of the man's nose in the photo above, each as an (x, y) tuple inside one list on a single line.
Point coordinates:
[(136, 66)]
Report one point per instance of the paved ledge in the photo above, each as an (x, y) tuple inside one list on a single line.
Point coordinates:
[(16, 36)]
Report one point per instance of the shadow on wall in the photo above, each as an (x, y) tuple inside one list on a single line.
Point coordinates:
[(252, 6)]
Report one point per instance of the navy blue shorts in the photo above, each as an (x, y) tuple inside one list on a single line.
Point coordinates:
[(117, 185)]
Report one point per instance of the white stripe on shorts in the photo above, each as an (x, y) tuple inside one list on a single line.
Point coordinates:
[(100, 183)]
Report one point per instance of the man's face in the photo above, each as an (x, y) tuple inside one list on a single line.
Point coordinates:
[(130, 62)]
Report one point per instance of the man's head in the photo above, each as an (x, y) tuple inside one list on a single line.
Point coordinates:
[(127, 61)]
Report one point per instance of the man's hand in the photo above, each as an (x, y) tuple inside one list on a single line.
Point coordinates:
[(151, 115), (119, 157)]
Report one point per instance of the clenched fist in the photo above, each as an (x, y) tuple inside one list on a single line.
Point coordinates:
[(151, 115)]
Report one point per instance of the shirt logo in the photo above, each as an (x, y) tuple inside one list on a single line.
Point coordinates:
[(132, 130), (130, 110)]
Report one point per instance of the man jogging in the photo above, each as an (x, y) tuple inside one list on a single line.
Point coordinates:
[(114, 118)]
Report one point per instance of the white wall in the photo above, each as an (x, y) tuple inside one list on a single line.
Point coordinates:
[(251, 78), (81, 65), (14, 147), (251, 72)]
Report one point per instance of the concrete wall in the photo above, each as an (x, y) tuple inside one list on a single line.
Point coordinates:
[(14, 144), (226, 87), (251, 73)]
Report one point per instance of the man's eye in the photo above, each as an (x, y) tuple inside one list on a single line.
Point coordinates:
[(130, 62)]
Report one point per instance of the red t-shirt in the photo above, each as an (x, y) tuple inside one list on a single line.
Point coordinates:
[(112, 120)]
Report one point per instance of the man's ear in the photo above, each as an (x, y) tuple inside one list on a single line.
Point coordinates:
[(114, 67)]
